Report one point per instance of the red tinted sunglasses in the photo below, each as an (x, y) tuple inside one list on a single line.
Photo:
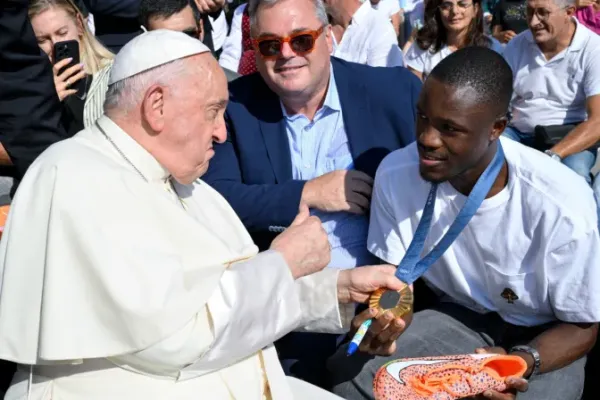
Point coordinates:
[(301, 43)]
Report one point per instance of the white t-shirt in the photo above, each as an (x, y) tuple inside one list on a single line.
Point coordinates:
[(538, 237), (553, 92), (387, 7), (424, 61), (232, 48), (219, 30), (370, 39)]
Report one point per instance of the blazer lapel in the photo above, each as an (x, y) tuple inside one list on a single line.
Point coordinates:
[(274, 134), (356, 110)]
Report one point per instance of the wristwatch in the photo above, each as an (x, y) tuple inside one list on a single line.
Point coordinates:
[(553, 155), (533, 353)]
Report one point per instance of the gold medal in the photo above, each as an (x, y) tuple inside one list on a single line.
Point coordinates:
[(398, 302)]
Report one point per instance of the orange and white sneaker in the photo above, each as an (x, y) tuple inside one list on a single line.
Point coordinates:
[(445, 377), (3, 216)]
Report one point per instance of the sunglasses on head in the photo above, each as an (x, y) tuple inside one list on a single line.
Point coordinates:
[(301, 43)]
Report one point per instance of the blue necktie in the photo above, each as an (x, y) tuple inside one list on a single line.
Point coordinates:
[(412, 266)]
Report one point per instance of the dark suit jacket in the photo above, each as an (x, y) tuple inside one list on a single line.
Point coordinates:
[(253, 169), (116, 21), (30, 110)]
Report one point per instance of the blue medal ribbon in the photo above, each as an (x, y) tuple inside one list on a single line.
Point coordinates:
[(412, 266)]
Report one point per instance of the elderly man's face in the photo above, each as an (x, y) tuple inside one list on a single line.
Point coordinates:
[(290, 73), (183, 21), (548, 19), (193, 119)]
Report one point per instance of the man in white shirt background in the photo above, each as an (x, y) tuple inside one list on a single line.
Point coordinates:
[(522, 277), (233, 46), (390, 9), (556, 67), (362, 34)]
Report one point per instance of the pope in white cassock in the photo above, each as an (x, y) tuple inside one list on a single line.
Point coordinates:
[(125, 277)]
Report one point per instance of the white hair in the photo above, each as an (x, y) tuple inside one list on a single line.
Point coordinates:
[(126, 94), (254, 5), (565, 3)]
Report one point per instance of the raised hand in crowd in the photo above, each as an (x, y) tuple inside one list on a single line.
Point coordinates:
[(341, 190), (209, 6), (505, 36), (64, 79), (304, 245)]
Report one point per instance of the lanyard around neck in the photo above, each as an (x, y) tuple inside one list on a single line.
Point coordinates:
[(412, 266)]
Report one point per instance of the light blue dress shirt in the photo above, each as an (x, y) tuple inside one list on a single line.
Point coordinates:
[(318, 147)]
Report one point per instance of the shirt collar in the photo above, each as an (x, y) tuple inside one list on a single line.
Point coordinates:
[(581, 36), (143, 161), (332, 98)]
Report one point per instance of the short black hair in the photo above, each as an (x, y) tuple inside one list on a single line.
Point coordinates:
[(483, 70), (162, 9)]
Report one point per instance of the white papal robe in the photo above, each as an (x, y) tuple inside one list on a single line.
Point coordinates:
[(118, 286)]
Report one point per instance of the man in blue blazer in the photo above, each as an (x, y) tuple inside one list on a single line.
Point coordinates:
[(309, 128)]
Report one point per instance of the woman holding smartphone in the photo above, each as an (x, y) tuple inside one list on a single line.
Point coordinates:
[(81, 87)]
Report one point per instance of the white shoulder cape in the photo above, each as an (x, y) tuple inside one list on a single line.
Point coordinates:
[(95, 262)]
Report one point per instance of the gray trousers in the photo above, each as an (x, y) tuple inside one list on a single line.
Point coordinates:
[(446, 330)]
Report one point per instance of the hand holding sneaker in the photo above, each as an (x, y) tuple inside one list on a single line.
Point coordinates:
[(450, 377), (513, 385)]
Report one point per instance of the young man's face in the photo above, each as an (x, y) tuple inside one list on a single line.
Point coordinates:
[(183, 21), (454, 130)]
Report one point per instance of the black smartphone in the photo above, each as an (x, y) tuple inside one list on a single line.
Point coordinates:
[(69, 49)]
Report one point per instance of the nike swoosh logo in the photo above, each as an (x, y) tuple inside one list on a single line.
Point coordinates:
[(394, 369)]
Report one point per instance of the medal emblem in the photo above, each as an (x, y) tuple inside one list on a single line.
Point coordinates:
[(399, 302), (509, 296)]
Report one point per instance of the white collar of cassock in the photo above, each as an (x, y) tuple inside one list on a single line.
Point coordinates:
[(139, 157)]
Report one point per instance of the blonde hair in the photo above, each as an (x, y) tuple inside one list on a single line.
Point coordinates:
[(93, 54)]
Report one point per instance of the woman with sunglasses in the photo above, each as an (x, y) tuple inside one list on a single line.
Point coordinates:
[(449, 25), (55, 21)]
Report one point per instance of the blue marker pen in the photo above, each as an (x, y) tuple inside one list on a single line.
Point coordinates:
[(358, 337)]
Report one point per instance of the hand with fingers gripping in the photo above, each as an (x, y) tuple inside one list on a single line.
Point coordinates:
[(380, 339), (342, 190), (63, 80), (513, 385)]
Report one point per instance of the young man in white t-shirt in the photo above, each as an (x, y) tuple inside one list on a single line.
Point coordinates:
[(525, 269)]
